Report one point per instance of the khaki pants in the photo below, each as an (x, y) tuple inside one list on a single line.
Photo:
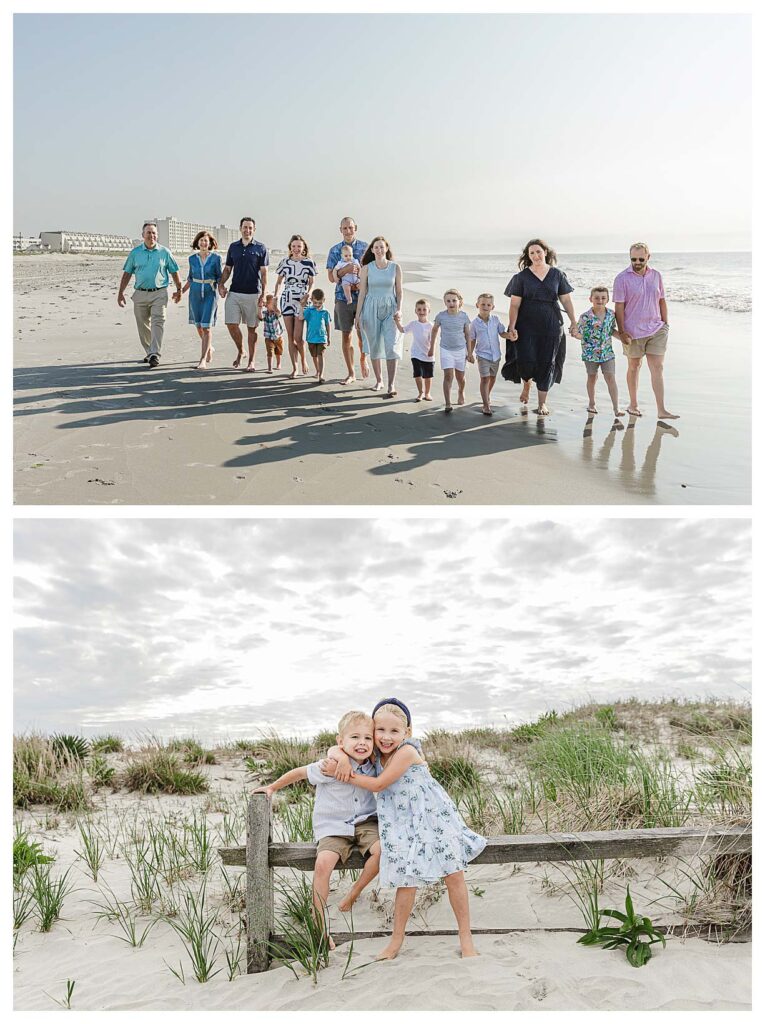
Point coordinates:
[(150, 310)]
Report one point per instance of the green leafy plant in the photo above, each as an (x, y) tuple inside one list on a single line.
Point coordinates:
[(119, 913), (107, 745), (66, 1002), (196, 927), (70, 749), (99, 770), (26, 852), (635, 933), (93, 850), (303, 935), (48, 895)]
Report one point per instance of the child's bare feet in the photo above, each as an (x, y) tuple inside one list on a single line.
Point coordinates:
[(364, 367), (461, 396), (347, 902), (469, 950), (238, 361), (293, 374), (418, 398), (390, 952), (201, 365)]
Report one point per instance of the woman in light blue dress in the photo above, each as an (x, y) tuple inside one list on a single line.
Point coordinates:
[(378, 311), (205, 271), (422, 836)]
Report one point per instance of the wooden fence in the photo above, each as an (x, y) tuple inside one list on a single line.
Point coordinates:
[(261, 855)]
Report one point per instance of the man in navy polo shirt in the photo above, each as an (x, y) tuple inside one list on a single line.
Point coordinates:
[(248, 260), (151, 264), (345, 312)]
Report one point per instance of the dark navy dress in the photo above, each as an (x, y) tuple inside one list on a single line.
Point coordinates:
[(540, 351)]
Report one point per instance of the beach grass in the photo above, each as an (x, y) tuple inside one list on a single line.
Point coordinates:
[(614, 766)]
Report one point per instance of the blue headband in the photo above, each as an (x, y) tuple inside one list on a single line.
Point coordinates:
[(398, 703)]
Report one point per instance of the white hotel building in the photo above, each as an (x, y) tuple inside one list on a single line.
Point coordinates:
[(178, 235)]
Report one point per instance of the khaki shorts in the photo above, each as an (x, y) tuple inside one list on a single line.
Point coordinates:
[(365, 837), (241, 308), (655, 344), (274, 345), (487, 367)]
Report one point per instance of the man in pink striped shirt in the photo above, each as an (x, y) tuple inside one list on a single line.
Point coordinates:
[(641, 317)]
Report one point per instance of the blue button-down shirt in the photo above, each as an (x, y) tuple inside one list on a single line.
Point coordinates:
[(333, 258), (339, 806), (486, 334), (151, 267)]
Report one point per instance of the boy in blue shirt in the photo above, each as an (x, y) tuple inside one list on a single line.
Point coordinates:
[(343, 817), (318, 324)]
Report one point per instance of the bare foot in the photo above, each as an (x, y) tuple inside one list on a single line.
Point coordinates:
[(237, 362), (330, 942), (447, 408), (378, 386), (390, 952), (524, 397), (364, 368), (278, 366), (542, 410), (322, 380), (346, 903), (210, 355), (418, 398), (634, 412), (249, 368), (427, 398), (460, 398), (471, 951), (664, 415), (269, 370), (305, 369), (486, 411), (349, 379), (293, 374), (391, 394), (591, 408), (202, 365)]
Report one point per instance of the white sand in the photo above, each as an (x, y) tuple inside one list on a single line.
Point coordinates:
[(94, 426), (532, 970)]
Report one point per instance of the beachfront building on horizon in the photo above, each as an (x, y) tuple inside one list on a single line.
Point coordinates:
[(25, 243), (84, 241), (178, 235)]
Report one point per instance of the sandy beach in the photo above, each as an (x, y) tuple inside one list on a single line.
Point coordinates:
[(93, 426), (538, 967)]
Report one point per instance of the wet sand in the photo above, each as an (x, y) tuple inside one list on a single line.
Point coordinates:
[(95, 426)]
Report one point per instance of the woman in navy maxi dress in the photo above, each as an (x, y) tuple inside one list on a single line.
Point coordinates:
[(540, 351)]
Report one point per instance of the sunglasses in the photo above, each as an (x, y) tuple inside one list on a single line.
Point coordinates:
[(633, 260)]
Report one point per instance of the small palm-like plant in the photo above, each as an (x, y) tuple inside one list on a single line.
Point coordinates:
[(636, 933), (70, 749)]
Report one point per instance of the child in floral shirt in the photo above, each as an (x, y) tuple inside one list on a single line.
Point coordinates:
[(594, 329)]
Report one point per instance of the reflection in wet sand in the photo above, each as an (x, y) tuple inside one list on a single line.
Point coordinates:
[(642, 481)]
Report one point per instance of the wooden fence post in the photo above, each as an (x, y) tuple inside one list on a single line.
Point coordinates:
[(260, 889)]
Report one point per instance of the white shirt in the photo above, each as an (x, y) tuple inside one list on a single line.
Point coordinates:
[(420, 339), (486, 334)]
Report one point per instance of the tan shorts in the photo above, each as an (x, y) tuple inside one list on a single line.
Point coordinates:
[(275, 345), (487, 367), (241, 308), (655, 344), (365, 837)]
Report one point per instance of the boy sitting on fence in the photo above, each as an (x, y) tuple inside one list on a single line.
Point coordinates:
[(343, 817)]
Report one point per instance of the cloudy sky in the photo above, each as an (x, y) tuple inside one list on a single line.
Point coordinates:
[(225, 627), (457, 132)]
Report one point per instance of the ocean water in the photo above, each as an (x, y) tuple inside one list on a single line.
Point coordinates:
[(719, 280)]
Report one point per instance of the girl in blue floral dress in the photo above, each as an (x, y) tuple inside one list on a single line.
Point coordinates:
[(422, 836)]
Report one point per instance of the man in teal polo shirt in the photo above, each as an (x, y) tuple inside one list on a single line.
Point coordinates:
[(151, 264)]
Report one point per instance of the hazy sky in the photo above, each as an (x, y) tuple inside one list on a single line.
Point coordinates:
[(226, 627), (441, 131)]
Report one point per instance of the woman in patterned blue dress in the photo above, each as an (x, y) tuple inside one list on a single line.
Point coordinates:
[(422, 836), (294, 279), (205, 271)]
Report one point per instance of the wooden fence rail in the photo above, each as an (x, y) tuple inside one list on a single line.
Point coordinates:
[(261, 855)]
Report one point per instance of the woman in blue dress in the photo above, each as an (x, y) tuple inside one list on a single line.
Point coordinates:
[(378, 311), (202, 285), (538, 350), (422, 836)]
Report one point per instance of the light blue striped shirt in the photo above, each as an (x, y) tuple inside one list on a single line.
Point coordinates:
[(338, 806)]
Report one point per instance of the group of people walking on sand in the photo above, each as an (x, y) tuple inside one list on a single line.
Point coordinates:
[(367, 302)]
